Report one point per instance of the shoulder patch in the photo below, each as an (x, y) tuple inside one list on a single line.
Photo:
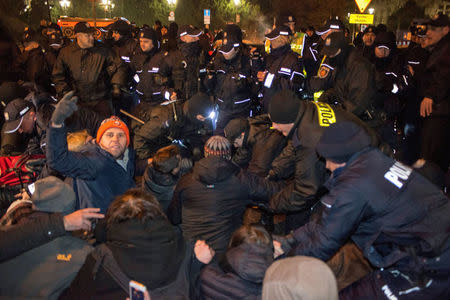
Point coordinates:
[(324, 71)]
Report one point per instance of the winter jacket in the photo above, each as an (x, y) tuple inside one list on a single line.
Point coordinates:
[(17, 239), (98, 177), (187, 65), (284, 71), (434, 83), (393, 214), (168, 123), (90, 72), (153, 253), (152, 75), (239, 276), (260, 147), (353, 85), (230, 82), (35, 68), (209, 202), (309, 171), (45, 271), (159, 185)]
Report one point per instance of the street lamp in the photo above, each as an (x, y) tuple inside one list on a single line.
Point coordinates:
[(172, 2), (108, 6), (371, 10), (64, 4), (237, 2)]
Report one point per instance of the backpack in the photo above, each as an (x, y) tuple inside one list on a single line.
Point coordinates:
[(13, 170)]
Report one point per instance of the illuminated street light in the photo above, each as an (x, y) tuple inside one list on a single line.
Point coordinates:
[(371, 10), (172, 2), (237, 2), (108, 6)]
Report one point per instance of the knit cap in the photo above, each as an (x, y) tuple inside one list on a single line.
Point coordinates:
[(341, 140), (218, 146), (112, 122), (235, 128), (284, 107), (51, 194)]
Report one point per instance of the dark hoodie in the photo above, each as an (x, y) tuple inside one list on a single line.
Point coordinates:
[(153, 253), (210, 201), (239, 275), (160, 185)]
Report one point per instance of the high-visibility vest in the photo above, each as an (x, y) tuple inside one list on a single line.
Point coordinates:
[(297, 43)]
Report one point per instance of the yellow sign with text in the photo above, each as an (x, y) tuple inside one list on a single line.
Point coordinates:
[(362, 4), (361, 19)]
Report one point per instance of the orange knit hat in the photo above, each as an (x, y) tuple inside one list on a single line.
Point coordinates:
[(112, 122)]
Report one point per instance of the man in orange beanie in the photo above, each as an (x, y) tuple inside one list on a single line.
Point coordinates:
[(101, 170)]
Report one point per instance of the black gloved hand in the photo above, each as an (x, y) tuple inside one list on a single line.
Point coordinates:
[(116, 92), (287, 241), (65, 108)]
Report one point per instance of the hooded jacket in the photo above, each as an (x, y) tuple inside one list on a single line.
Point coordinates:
[(209, 202), (239, 276), (161, 185), (153, 253), (260, 147)]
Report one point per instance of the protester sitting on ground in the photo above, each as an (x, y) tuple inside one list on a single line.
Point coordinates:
[(239, 275), (44, 271), (209, 202), (299, 277), (163, 173), (100, 171), (143, 246), (257, 144)]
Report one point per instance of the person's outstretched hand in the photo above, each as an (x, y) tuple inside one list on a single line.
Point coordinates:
[(81, 219), (65, 108)]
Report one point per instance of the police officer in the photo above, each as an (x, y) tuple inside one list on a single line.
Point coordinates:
[(297, 38), (124, 44), (187, 124), (318, 68), (366, 49), (353, 80), (395, 216), (283, 68), (93, 71), (303, 123), (229, 80), (187, 63), (32, 62)]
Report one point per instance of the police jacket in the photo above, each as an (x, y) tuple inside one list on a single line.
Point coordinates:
[(91, 72), (188, 69), (151, 74), (284, 71), (209, 202), (167, 124), (434, 83), (393, 214), (230, 82), (260, 146), (300, 155), (353, 84), (97, 177)]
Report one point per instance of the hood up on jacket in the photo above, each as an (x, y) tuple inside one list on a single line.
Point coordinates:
[(212, 170)]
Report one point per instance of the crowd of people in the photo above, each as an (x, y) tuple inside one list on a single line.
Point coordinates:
[(202, 167)]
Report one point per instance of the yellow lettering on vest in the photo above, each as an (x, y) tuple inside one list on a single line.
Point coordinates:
[(325, 113)]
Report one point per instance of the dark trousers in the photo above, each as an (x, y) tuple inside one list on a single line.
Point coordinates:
[(435, 141), (392, 284)]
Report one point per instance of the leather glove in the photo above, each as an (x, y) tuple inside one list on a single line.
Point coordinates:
[(65, 108), (287, 241)]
